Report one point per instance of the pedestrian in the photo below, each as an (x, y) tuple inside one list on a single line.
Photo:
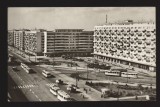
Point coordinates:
[(136, 98), (101, 95)]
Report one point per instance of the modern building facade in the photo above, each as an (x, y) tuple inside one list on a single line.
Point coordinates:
[(18, 36), (74, 42), (128, 43), (33, 41), (10, 37)]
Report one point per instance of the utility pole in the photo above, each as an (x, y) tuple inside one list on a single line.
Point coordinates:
[(35, 57), (127, 75), (118, 91), (29, 55), (87, 72), (77, 76)]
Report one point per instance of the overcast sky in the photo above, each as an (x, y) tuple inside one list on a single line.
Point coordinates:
[(51, 18)]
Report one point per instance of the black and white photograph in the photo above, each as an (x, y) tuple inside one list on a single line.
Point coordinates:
[(81, 54)]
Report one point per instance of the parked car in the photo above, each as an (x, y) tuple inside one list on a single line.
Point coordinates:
[(14, 68), (54, 85), (71, 88), (59, 81), (72, 99)]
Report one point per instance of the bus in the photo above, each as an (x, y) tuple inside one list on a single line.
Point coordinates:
[(54, 90), (63, 96), (113, 73), (46, 73), (26, 68), (129, 75)]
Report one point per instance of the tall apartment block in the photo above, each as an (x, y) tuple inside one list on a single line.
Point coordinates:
[(75, 42), (128, 43), (10, 38), (33, 41), (18, 40)]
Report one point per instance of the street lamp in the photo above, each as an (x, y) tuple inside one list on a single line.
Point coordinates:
[(35, 57), (127, 75), (118, 91), (77, 74), (87, 72)]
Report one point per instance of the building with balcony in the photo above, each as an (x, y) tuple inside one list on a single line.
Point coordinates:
[(128, 43), (18, 37), (10, 38), (33, 42)]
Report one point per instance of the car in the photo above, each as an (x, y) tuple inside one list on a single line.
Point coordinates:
[(59, 81), (72, 99), (14, 68), (71, 87), (54, 85)]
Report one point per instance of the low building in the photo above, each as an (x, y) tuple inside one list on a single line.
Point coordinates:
[(10, 37)]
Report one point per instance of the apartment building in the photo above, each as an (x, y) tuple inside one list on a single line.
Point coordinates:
[(74, 42), (18, 40), (10, 38), (33, 42), (128, 43)]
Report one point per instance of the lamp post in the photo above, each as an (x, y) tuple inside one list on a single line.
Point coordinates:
[(77, 74), (29, 55), (87, 72), (118, 91), (127, 75), (35, 57)]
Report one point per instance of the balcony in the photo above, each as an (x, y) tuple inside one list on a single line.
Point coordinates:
[(151, 46), (132, 33), (132, 37), (143, 31), (128, 30), (147, 60), (136, 30), (139, 41), (148, 51), (141, 37)]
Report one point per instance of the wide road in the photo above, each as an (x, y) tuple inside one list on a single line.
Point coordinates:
[(16, 95), (35, 86)]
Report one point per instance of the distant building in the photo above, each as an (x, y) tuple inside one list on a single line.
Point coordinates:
[(126, 43), (33, 41), (11, 38), (74, 42), (18, 36)]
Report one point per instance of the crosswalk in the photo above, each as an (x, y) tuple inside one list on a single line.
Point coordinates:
[(51, 84), (24, 86)]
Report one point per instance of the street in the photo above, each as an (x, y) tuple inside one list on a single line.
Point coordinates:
[(35, 87)]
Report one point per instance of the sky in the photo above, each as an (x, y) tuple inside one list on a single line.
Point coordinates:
[(86, 18)]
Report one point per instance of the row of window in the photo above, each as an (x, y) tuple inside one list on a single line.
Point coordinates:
[(144, 27)]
